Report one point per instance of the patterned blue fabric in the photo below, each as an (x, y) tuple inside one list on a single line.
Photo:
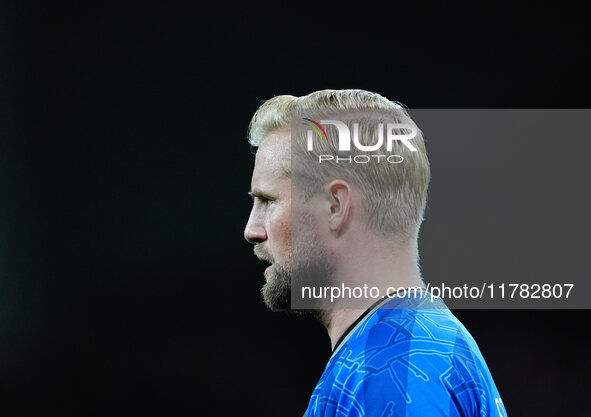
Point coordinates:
[(412, 357)]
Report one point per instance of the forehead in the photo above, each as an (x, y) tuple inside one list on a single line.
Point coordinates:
[(272, 157)]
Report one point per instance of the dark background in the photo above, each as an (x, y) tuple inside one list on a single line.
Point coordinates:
[(126, 287)]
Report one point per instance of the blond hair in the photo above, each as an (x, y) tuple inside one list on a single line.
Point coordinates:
[(395, 193)]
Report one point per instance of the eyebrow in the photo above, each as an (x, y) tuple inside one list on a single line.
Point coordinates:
[(259, 194)]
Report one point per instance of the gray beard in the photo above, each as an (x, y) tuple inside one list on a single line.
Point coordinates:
[(308, 265), (306, 269), (276, 291)]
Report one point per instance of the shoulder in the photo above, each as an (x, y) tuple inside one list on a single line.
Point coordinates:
[(419, 360), (411, 330)]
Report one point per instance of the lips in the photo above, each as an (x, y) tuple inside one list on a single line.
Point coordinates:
[(263, 256), (267, 262)]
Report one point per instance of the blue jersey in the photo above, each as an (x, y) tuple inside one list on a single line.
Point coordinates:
[(407, 357)]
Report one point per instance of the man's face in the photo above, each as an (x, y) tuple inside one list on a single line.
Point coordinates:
[(269, 224), (295, 252)]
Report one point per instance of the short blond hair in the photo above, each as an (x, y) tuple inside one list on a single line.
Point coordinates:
[(395, 194)]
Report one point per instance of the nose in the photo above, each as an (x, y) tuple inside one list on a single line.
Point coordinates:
[(254, 232)]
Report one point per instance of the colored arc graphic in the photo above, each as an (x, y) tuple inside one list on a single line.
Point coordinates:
[(320, 127)]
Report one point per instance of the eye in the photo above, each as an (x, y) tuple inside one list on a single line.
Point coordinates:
[(262, 199)]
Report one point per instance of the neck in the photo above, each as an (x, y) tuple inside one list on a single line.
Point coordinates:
[(338, 321), (395, 269)]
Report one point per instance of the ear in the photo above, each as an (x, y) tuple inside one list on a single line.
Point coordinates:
[(340, 199)]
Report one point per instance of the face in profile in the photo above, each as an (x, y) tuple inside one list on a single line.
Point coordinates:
[(269, 224), (284, 235)]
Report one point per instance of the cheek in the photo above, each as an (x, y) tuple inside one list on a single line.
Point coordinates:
[(282, 229), (286, 225)]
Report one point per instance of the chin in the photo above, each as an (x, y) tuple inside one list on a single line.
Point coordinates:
[(276, 292)]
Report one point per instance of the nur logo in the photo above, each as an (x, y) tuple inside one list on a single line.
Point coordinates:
[(388, 133)]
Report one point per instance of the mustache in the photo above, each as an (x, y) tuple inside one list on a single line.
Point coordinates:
[(262, 255)]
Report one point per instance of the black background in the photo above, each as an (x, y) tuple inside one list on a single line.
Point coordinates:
[(126, 287)]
